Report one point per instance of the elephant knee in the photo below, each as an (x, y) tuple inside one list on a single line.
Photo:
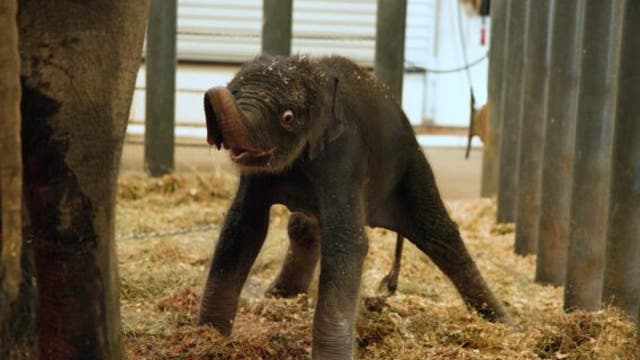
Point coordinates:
[(302, 227)]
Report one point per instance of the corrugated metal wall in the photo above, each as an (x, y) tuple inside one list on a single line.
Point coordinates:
[(219, 30), (229, 31), (420, 41)]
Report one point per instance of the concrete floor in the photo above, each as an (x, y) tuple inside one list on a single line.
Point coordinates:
[(457, 178)]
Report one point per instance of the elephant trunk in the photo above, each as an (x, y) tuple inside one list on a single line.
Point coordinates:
[(225, 126)]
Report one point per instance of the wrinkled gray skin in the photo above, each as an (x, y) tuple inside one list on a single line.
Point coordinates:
[(324, 138)]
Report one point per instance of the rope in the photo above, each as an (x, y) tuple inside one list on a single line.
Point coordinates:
[(464, 46), (459, 68), (473, 97), (156, 234)]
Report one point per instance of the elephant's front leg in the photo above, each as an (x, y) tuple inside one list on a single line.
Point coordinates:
[(344, 247), (241, 238)]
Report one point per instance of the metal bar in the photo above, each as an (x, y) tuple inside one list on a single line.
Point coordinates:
[(159, 137), (536, 73), (390, 34), (622, 265), (389, 61), (512, 112), (276, 27), (497, 48), (557, 168), (592, 165)]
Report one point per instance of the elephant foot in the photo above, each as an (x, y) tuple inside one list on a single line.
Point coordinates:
[(216, 316), (280, 290), (223, 326)]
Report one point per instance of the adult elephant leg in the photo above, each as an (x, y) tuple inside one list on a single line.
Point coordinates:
[(79, 61), (431, 228), (301, 259), (243, 233), (10, 172), (20, 323)]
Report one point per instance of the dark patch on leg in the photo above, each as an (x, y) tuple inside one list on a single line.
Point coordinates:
[(61, 216)]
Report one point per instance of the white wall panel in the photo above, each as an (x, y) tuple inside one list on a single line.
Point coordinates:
[(229, 30)]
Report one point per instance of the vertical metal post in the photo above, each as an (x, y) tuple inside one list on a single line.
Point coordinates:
[(391, 22), (536, 73), (622, 265), (512, 112), (592, 165), (276, 27), (389, 56), (159, 137), (557, 168), (497, 47)]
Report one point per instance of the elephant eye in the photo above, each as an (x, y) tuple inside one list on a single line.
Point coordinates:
[(288, 120)]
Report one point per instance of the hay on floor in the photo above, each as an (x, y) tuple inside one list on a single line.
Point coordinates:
[(162, 278)]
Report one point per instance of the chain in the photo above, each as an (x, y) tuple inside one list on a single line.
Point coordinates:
[(156, 234)]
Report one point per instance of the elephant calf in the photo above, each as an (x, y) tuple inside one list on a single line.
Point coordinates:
[(327, 140)]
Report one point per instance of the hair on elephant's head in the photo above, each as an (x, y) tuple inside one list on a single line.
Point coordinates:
[(273, 111)]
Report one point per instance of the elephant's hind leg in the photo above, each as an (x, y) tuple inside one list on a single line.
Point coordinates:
[(301, 259), (436, 234)]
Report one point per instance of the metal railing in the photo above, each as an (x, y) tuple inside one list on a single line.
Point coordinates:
[(567, 109)]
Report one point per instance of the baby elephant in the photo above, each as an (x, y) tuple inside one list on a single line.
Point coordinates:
[(327, 140)]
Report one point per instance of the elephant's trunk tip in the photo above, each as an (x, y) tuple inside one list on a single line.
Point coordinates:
[(225, 126), (214, 135)]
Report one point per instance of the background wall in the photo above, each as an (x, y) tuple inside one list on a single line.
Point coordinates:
[(215, 36)]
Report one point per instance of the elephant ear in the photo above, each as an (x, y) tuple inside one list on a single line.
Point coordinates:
[(331, 122)]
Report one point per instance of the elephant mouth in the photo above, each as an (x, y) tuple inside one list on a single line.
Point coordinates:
[(226, 129), (251, 157)]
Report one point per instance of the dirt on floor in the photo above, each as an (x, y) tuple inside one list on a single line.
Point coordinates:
[(167, 228)]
